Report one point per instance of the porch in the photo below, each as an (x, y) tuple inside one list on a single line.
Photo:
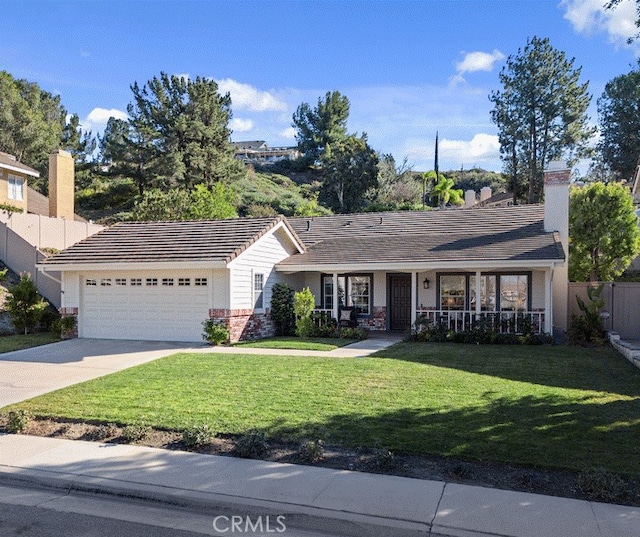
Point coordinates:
[(513, 301)]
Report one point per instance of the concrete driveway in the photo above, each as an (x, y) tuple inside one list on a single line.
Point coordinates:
[(30, 372)]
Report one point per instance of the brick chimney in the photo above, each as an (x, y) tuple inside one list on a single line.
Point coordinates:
[(557, 177), (61, 185)]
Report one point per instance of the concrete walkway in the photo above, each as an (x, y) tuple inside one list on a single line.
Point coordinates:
[(340, 502)]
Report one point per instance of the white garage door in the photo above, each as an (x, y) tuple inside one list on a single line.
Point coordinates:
[(154, 308)]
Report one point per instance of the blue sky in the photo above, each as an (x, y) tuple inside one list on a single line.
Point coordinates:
[(409, 68)]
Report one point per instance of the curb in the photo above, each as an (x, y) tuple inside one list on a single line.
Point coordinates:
[(298, 516)]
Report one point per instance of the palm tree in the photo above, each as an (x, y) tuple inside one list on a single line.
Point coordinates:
[(443, 192)]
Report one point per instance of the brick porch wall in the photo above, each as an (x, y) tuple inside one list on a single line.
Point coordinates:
[(377, 322), (245, 324)]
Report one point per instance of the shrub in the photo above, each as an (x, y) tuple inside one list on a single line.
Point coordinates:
[(587, 328), (282, 313), (251, 445), (303, 305), (215, 332), (135, 432), (18, 421), (63, 326), (353, 333), (197, 435), (24, 305), (311, 450)]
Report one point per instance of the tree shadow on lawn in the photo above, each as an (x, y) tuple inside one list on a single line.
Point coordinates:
[(594, 369), (537, 431)]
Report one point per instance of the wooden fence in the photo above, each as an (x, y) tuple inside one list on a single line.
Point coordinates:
[(622, 304)]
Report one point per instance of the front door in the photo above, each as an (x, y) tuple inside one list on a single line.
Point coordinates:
[(399, 301)]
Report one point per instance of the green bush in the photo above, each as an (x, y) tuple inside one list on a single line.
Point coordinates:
[(251, 445), (587, 328), (353, 333), (18, 421), (197, 435), (24, 305), (303, 305), (215, 332), (282, 313), (135, 432)]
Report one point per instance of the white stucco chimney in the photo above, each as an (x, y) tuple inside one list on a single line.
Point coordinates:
[(557, 177), (469, 198), (485, 193)]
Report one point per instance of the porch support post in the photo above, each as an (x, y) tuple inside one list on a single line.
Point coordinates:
[(414, 297), (548, 300), (478, 294), (335, 296)]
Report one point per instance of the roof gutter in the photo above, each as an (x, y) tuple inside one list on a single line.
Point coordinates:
[(167, 265)]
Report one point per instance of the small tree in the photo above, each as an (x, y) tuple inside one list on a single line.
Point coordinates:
[(603, 229), (24, 305), (303, 304), (282, 311)]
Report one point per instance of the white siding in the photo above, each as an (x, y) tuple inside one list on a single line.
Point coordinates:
[(260, 257)]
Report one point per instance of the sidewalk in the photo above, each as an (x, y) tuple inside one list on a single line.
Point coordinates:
[(340, 502)]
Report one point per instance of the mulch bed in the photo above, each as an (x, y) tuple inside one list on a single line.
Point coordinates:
[(595, 486)]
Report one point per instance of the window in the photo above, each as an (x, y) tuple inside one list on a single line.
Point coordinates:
[(514, 291), (90, 283), (201, 282), (105, 282), (152, 281), (258, 284), (121, 281), (135, 282), (184, 282), (498, 292), (353, 290), (487, 292), (360, 293), (16, 188), (167, 282), (453, 291)]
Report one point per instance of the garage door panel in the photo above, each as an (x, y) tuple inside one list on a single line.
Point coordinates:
[(161, 312)]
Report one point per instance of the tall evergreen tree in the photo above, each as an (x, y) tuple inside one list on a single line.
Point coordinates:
[(321, 126), (540, 113), (177, 135), (619, 118)]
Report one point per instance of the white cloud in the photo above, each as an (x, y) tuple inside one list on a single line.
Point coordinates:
[(589, 17), (100, 116), (479, 61), (482, 150), (241, 125), (288, 133), (247, 97)]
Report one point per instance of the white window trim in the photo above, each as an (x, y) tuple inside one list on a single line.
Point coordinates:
[(15, 186), (254, 294)]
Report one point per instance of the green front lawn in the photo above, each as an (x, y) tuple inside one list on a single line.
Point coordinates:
[(20, 341), (559, 407), (300, 343)]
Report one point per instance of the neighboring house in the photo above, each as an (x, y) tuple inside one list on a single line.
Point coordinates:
[(258, 152), (13, 182), (161, 280), (41, 224)]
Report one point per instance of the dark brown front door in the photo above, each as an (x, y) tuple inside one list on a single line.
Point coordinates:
[(400, 301)]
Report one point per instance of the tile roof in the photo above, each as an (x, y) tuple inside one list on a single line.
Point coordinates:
[(39, 204), (156, 242), (487, 234), (10, 162)]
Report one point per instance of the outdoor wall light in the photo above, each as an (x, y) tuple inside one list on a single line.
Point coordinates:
[(425, 283)]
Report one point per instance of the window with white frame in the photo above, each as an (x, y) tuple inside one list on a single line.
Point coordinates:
[(258, 285), (135, 282), (498, 291), (353, 290), (16, 188)]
